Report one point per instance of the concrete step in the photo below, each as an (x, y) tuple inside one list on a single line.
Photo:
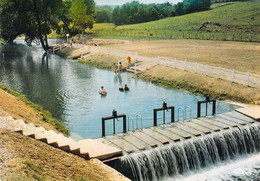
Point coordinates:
[(122, 144), (40, 134), (164, 140), (215, 122), (181, 125), (20, 125), (184, 134), (198, 127), (167, 133), (147, 139), (208, 125), (29, 130), (50, 137), (98, 150), (133, 70)]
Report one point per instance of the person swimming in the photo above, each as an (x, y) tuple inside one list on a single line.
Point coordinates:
[(102, 91), (124, 88)]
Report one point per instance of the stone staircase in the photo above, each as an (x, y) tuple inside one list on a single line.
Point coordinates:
[(87, 149), (139, 67)]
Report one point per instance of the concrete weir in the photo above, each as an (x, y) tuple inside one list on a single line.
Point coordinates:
[(149, 138), (177, 148)]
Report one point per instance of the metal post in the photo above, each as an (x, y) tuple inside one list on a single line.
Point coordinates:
[(219, 69), (198, 110), (154, 118), (163, 116), (103, 127), (172, 115), (214, 107), (124, 124), (114, 126), (206, 108)]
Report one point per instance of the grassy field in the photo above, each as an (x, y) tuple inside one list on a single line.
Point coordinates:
[(225, 21)]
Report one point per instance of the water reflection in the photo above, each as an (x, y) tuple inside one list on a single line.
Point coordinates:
[(45, 60), (70, 91)]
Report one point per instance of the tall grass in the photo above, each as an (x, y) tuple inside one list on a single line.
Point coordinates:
[(225, 21)]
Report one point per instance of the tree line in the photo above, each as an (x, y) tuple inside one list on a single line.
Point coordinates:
[(135, 12), (35, 19)]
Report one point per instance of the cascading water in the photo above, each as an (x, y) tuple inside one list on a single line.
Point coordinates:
[(178, 158)]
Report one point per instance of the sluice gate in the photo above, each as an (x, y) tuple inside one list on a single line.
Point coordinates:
[(176, 148)]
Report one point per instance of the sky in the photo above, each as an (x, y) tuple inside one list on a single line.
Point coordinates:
[(121, 2)]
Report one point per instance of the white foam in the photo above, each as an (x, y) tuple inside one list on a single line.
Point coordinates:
[(242, 168)]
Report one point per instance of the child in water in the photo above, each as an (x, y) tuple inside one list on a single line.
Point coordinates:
[(102, 90)]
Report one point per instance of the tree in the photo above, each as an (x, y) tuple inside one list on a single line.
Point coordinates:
[(81, 14), (33, 18), (103, 14)]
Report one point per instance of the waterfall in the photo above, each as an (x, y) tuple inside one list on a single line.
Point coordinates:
[(195, 154)]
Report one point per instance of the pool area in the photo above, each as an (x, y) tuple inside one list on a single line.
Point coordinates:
[(70, 91)]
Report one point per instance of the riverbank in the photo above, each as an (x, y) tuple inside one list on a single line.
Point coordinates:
[(16, 105), (24, 158), (241, 56)]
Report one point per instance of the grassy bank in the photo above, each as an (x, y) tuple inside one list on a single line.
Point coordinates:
[(238, 21), (100, 60), (25, 158), (200, 84), (29, 111)]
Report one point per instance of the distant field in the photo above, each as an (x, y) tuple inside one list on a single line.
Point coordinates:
[(238, 21)]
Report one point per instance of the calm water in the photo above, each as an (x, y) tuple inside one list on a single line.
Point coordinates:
[(69, 91)]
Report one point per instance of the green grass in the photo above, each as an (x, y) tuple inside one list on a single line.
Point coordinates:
[(45, 114), (238, 21)]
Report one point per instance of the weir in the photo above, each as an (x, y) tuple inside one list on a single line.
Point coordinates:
[(190, 155), (185, 146)]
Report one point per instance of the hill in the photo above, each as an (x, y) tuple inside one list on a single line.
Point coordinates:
[(239, 21)]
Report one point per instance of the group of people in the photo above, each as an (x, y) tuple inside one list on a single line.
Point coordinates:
[(118, 67), (102, 91)]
